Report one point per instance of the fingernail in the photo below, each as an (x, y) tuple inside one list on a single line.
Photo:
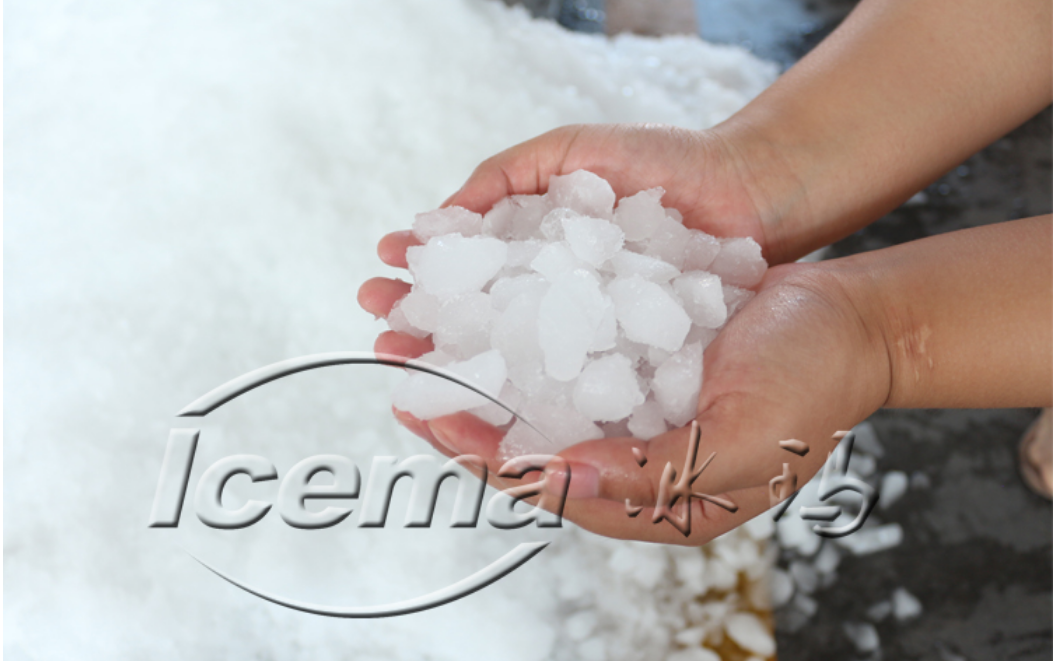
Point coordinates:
[(443, 438), (584, 480)]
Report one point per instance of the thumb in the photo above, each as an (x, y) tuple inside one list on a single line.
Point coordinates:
[(719, 453)]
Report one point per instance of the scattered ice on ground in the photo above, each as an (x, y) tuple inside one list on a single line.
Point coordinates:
[(905, 605), (747, 630), (893, 485), (864, 636)]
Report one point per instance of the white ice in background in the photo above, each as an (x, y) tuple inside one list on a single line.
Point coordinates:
[(586, 323), (195, 190)]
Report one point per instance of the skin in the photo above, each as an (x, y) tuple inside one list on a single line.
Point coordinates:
[(958, 320)]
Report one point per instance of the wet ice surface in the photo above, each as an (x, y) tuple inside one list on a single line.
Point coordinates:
[(588, 331), (195, 190)]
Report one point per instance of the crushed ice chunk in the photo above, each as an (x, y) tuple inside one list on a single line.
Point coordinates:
[(669, 242), (599, 314), (592, 240), (451, 220), (893, 485), (398, 322), (647, 421), (677, 383), (703, 298), (421, 310), (640, 214), (701, 250), (872, 540), (607, 389), (739, 262), (905, 605), (555, 260), (864, 636), (452, 264), (627, 263), (569, 317), (426, 396), (694, 654), (584, 192), (648, 314), (750, 633), (781, 588)]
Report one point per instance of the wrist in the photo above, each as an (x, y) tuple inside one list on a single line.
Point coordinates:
[(776, 176)]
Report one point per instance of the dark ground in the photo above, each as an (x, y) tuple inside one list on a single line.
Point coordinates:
[(978, 545)]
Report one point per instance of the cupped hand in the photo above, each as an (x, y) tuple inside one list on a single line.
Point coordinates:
[(723, 184), (797, 362)]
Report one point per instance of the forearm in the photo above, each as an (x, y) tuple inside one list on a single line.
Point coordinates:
[(900, 93), (966, 318)]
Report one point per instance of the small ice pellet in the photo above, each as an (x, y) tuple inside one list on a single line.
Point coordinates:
[(781, 588), (872, 540), (739, 262), (864, 636), (749, 633), (450, 220), (736, 297), (893, 485), (905, 605), (694, 654)]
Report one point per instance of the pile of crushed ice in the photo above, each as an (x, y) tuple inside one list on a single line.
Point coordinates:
[(194, 190), (587, 318)]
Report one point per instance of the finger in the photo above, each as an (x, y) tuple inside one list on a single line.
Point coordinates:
[(520, 170), (463, 433), (400, 344), (734, 451), (420, 428), (392, 247), (378, 295)]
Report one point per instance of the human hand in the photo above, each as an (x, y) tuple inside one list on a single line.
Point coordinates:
[(724, 182), (799, 361)]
